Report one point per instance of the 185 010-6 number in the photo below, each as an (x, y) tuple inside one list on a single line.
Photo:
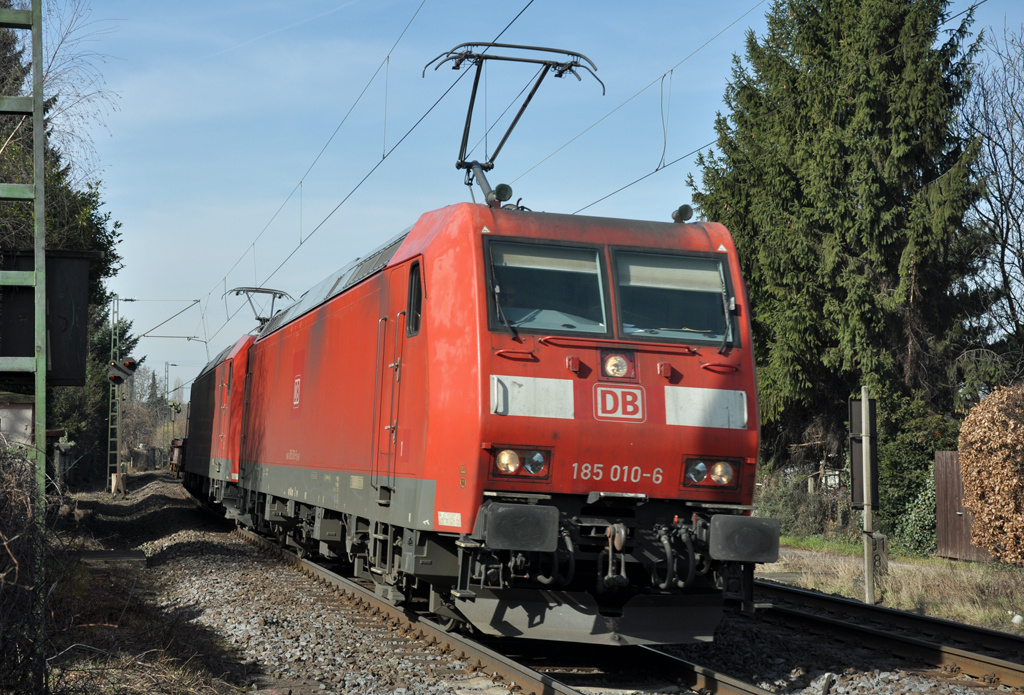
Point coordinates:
[(616, 473)]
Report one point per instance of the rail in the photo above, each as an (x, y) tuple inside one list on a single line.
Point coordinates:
[(938, 628), (512, 673), (935, 653), (701, 679), (519, 678)]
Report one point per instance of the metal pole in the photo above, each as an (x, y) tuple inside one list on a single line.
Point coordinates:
[(167, 408), (38, 146), (39, 204), (483, 183), (869, 555)]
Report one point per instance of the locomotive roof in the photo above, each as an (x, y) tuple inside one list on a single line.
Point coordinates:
[(337, 282), (362, 268), (212, 364)]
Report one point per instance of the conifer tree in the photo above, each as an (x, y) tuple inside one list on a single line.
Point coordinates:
[(153, 399), (839, 173)]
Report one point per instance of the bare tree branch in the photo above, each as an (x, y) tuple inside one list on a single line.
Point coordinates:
[(994, 116)]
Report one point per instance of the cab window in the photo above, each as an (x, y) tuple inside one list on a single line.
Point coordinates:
[(414, 310), (537, 287), (672, 297)]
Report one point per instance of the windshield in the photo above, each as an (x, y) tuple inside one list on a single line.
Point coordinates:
[(547, 288), (675, 297)]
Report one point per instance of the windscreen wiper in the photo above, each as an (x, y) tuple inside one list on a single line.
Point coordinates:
[(501, 313), (727, 333), (496, 292)]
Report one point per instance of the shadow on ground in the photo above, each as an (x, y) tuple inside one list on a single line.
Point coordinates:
[(110, 631)]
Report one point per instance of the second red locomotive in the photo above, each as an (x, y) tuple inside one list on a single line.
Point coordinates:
[(542, 425)]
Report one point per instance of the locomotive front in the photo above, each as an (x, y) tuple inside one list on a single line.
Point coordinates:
[(618, 432)]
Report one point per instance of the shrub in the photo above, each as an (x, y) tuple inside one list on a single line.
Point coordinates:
[(992, 465), (910, 434), (19, 539), (23, 577), (800, 513), (915, 529)]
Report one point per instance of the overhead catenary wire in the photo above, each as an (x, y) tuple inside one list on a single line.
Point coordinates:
[(644, 89), (178, 337), (194, 302), (372, 169), (388, 153), (204, 322), (251, 247), (385, 61), (782, 106), (664, 115), (200, 323), (363, 180), (345, 199)]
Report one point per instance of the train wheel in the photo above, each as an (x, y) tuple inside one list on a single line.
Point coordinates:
[(280, 537), (447, 624)]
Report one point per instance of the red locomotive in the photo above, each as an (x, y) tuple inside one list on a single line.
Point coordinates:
[(541, 425), (544, 425)]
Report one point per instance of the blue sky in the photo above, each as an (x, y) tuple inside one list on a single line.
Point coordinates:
[(223, 107)]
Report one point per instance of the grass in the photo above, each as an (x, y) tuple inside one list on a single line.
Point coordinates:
[(982, 594), (839, 546), (118, 642)]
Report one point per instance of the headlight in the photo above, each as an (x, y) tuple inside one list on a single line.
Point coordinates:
[(534, 462), (721, 472), (616, 365), (522, 464), (696, 471), (507, 462)]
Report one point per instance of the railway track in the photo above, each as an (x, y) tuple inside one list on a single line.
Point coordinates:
[(946, 645), (506, 670), (528, 672), (521, 666)]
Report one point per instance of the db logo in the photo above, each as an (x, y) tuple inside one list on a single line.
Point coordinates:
[(622, 403), (296, 391)]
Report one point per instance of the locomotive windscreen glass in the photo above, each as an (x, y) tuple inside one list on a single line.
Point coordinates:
[(548, 288), (676, 297)]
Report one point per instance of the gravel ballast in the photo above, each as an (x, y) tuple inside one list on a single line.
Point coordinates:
[(783, 660), (278, 631)]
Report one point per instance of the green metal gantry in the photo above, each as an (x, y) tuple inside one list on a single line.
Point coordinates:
[(31, 106), (114, 410), (32, 20)]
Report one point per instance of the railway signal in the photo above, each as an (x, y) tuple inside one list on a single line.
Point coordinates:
[(121, 369)]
